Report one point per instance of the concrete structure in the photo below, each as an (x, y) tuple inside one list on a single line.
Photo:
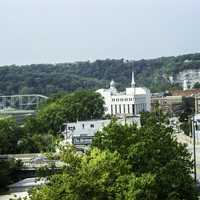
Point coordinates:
[(20, 106), (168, 104), (33, 161), (193, 94), (21, 188), (22, 102), (178, 100), (81, 133), (26, 184), (130, 102), (185, 93)]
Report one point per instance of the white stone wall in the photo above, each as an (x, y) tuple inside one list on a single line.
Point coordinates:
[(133, 101)]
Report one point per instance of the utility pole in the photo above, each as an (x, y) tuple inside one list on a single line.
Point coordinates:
[(194, 148)]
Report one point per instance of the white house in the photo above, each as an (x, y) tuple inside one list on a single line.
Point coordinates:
[(130, 102)]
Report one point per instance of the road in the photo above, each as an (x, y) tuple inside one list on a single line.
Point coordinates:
[(189, 141)]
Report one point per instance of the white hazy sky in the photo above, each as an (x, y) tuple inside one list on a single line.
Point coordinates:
[(52, 31)]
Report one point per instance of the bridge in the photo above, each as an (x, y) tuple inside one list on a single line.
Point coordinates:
[(30, 102), (32, 162)]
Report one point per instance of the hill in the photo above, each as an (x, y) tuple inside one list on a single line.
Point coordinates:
[(51, 78)]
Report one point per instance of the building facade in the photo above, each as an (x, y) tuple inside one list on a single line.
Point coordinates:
[(81, 133), (177, 102), (197, 103), (130, 102), (168, 104)]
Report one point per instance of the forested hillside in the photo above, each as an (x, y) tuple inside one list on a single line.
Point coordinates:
[(51, 78)]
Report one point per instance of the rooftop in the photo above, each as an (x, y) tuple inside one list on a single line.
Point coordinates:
[(28, 182)]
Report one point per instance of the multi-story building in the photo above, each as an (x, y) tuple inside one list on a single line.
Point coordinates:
[(81, 133), (177, 101), (130, 102), (168, 104)]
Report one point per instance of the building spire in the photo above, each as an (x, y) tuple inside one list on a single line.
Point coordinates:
[(133, 80)]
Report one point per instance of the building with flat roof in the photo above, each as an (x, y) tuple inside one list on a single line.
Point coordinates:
[(81, 133), (20, 189), (168, 104), (130, 102), (185, 93)]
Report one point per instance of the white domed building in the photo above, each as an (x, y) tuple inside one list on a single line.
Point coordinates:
[(128, 103)]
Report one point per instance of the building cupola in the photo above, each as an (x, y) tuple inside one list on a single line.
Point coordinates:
[(112, 84)]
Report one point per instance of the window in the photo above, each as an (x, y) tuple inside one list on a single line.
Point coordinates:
[(111, 109), (133, 109), (120, 110), (71, 128), (136, 109), (128, 108), (91, 125), (124, 108), (142, 107), (83, 125)]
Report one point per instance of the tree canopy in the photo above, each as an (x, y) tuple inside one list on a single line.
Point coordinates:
[(9, 136), (196, 85), (126, 162), (49, 78), (8, 168), (83, 105), (40, 133)]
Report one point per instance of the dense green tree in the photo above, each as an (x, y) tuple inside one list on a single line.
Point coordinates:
[(98, 175), (148, 118), (185, 123), (115, 137), (48, 78), (153, 149), (9, 136), (41, 133), (31, 138), (33, 125), (37, 143), (196, 85), (126, 162), (52, 116), (8, 169), (84, 105), (35, 137)]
